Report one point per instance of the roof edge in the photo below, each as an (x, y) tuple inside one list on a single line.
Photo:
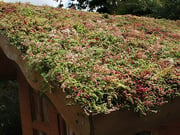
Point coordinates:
[(70, 113)]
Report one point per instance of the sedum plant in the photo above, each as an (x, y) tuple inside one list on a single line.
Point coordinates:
[(103, 63)]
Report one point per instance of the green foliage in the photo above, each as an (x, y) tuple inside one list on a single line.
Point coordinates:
[(138, 7), (155, 8), (105, 16), (9, 109), (170, 9), (80, 28)]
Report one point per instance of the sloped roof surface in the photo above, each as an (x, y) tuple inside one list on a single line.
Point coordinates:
[(102, 62)]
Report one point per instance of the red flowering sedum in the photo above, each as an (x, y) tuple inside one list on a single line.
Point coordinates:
[(102, 62)]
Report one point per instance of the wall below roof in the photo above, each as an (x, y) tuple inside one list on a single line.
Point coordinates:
[(171, 128), (129, 123)]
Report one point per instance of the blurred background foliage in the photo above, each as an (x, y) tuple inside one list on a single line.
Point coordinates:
[(169, 9), (9, 109)]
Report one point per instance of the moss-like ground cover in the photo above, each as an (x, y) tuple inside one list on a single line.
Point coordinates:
[(102, 62)]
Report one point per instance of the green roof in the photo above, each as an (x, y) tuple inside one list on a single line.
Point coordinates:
[(103, 62)]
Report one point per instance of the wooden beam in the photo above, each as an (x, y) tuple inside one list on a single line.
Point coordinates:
[(62, 126), (24, 101), (41, 126), (53, 120)]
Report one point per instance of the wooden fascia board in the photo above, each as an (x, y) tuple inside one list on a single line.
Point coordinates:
[(130, 123)]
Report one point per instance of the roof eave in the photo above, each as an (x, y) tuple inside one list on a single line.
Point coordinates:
[(71, 114)]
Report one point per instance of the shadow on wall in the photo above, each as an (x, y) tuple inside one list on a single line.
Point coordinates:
[(10, 123)]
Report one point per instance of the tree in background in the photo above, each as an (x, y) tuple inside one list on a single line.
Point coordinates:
[(60, 5), (102, 6), (156, 8), (138, 7), (111, 6), (170, 9)]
